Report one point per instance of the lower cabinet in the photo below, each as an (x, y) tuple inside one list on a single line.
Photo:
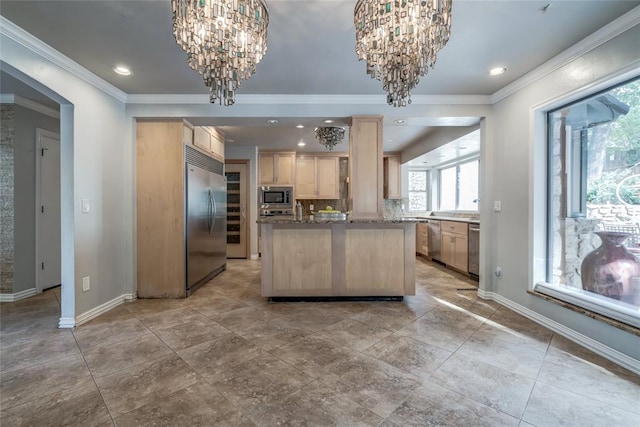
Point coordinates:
[(455, 245)]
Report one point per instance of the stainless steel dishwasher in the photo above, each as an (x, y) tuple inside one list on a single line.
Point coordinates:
[(474, 250)]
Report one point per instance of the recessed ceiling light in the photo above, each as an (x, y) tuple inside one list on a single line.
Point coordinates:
[(497, 71), (301, 144), (272, 121), (399, 121), (329, 121), (300, 126), (122, 70)]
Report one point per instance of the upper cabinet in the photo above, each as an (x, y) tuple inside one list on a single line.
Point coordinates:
[(392, 177), (277, 168), (210, 140), (317, 177)]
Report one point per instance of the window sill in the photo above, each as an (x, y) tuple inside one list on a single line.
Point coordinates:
[(589, 313)]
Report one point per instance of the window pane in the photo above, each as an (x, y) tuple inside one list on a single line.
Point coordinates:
[(594, 165), (417, 201), (417, 180), (468, 186), (448, 189)]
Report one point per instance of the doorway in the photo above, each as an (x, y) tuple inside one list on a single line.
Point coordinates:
[(237, 173), (48, 243)]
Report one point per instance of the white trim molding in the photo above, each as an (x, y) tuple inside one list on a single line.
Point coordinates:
[(603, 35), (31, 105), (66, 323), (37, 46), (18, 295), (101, 309), (607, 352), (310, 99)]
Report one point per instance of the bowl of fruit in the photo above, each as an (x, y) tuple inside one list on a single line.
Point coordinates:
[(329, 214)]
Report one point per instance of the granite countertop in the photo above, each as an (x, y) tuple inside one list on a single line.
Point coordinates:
[(308, 220), (453, 218)]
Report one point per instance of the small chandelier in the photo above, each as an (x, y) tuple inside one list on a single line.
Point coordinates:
[(329, 136), (224, 40), (400, 40)]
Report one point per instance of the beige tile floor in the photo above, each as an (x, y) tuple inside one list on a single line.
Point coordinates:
[(226, 356)]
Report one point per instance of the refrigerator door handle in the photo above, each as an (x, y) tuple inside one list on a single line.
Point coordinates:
[(213, 212), (209, 210), (244, 217)]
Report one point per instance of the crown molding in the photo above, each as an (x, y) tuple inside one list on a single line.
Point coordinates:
[(27, 103), (603, 35), (37, 46), (309, 99)]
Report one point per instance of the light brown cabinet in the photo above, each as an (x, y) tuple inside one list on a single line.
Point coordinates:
[(160, 220), (391, 166), (455, 245), (422, 239), (317, 177), (277, 168), (365, 167), (210, 140)]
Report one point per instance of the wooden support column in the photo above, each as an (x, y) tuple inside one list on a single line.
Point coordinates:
[(366, 167)]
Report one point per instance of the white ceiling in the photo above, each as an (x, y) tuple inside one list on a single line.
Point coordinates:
[(310, 52)]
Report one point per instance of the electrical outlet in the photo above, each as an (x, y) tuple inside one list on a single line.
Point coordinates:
[(497, 206), (499, 272), (86, 284), (310, 207)]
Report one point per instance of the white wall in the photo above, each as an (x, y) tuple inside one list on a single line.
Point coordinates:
[(519, 183), (250, 153), (93, 144)]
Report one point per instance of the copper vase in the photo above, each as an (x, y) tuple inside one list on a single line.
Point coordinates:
[(611, 270)]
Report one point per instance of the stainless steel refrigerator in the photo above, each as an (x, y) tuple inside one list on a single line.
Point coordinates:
[(206, 213)]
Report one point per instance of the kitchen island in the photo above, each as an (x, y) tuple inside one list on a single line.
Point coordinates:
[(350, 258)]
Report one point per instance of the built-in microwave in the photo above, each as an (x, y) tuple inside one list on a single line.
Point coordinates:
[(276, 197)]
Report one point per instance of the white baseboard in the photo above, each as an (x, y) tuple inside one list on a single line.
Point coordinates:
[(101, 309), (597, 347), (130, 297), (66, 322), (255, 256), (18, 296)]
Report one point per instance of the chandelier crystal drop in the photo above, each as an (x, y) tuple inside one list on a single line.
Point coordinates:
[(329, 136), (400, 40), (224, 40)]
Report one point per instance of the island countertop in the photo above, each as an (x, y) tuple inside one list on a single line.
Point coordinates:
[(312, 220)]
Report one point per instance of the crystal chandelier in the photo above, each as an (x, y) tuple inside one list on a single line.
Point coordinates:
[(329, 136), (224, 40), (399, 40)]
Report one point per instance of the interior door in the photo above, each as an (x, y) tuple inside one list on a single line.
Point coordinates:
[(48, 229), (237, 224)]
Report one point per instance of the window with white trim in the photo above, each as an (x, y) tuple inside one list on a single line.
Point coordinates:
[(418, 190), (594, 187), (459, 186)]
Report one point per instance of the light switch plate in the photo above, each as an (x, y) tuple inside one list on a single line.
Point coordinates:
[(86, 284), (497, 206), (85, 205)]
